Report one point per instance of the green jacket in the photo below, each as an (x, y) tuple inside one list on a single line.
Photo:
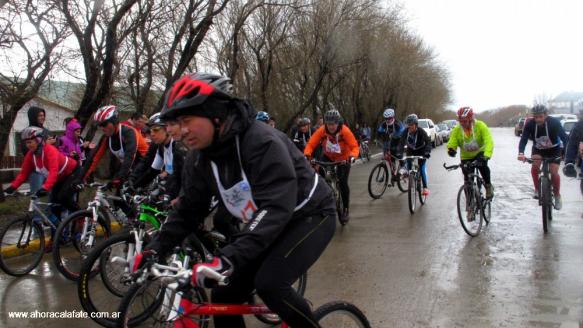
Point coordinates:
[(482, 135)]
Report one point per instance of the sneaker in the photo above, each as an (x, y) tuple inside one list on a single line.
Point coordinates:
[(425, 192), (535, 196), (558, 203), (489, 191)]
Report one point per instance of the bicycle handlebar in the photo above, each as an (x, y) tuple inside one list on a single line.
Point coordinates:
[(413, 157), (182, 274), (544, 159), (329, 163)]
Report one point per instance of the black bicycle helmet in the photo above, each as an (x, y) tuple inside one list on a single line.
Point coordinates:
[(539, 109), (191, 91), (332, 116), (412, 119)]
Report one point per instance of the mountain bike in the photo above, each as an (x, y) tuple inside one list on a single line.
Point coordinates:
[(113, 258), (546, 198), (174, 302), (330, 173), (473, 207), (364, 150), (379, 178), (86, 228), (23, 240), (415, 183)]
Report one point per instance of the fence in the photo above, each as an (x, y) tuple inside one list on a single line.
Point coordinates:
[(10, 162)]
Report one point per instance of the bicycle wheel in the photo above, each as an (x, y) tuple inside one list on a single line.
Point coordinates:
[(22, 245), (367, 152), (403, 181), (487, 210), (546, 202), (274, 319), (468, 209), (422, 198), (152, 305), (339, 202), (340, 314), (74, 239), (102, 293), (378, 180), (412, 192)]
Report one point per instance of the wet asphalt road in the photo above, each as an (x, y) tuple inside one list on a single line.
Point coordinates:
[(418, 270)]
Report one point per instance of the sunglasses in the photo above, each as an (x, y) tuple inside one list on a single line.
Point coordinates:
[(156, 129)]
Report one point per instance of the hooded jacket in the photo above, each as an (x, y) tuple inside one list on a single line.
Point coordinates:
[(279, 177), (33, 121), (68, 143)]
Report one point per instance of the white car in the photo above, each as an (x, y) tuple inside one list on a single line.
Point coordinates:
[(444, 131), (429, 127), (564, 117), (568, 125)]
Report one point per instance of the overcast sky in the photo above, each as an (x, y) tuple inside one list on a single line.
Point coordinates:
[(503, 52)]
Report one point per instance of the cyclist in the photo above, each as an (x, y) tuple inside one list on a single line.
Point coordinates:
[(338, 144), (123, 142), (547, 133), (574, 150), (262, 116), (417, 143), (390, 132), (474, 139), (260, 178), (302, 134), (167, 161), (57, 170)]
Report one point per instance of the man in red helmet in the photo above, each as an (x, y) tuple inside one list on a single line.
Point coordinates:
[(123, 142), (474, 139), (262, 179)]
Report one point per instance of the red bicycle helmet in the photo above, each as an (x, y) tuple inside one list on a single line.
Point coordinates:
[(465, 113), (193, 90), (106, 114)]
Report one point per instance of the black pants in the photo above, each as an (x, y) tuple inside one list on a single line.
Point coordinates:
[(62, 193), (484, 171), (291, 255), (343, 171)]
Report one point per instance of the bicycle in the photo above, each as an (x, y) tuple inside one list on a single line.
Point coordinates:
[(364, 150), (546, 198), (86, 227), (473, 207), (415, 183), (113, 258), (331, 177), (379, 178), (22, 240), (176, 303)]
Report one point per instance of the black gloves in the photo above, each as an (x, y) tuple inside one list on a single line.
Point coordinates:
[(9, 190), (451, 152), (42, 192)]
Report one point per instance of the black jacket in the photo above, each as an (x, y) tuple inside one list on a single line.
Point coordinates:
[(418, 144), (280, 178), (575, 138), (143, 173), (556, 133)]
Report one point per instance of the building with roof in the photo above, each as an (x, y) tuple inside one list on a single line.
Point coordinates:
[(567, 103)]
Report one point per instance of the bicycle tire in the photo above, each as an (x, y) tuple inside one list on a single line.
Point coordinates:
[(381, 176), (339, 202), (139, 320), (422, 198), (403, 182), (412, 192), (274, 319), (89, 284), (472, 230), (68, 260), (329, 314), (546, 201), (487, 210), (9, 250)]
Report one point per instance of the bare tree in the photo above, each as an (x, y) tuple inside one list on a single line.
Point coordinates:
[(31, 38)]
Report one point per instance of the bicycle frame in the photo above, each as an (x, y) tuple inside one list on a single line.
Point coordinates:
[(35, 209)]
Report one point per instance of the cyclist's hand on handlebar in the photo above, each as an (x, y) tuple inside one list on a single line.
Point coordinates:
[(521, 157), (427, 155), (148, 255), (451, 152), (206, 274), (9, 190), (41, 192), (351, 160)]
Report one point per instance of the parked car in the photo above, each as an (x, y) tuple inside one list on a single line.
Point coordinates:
[(438, 138), (563, 117), (450, 124), (568, 125), (429, 127), (519, 127), (444, 132)]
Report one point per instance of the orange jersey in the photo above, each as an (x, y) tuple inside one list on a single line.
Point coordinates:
[(337, 147)]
